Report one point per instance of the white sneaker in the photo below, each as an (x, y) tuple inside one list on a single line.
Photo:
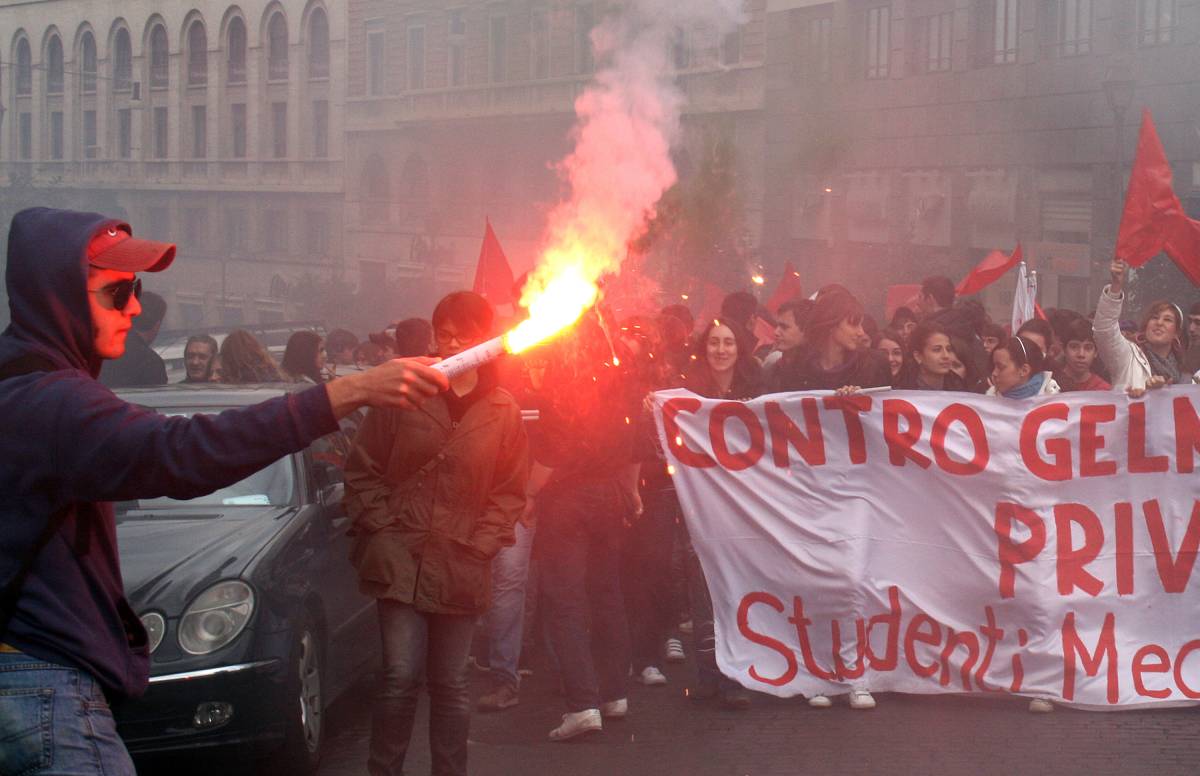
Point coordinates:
[(861, 699), (674, 651), (577, 723), (651, 677), (820, 702), (1041, 706), (615, 709)]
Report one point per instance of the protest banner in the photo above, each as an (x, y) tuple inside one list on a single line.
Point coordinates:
[(929, 542)]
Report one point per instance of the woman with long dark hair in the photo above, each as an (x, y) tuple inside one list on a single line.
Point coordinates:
[(304, 358), (835, 359), (1020, 370), (244, 360), (929, 361)]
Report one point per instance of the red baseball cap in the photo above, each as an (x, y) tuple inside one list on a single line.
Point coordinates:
[(115, 247)]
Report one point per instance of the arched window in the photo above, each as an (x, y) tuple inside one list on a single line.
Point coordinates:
[(87, 64), (24, 68), (237, 51), (277, 48), (54, 65), (318, 44), (197, 43), (122, 61), (159, 67)]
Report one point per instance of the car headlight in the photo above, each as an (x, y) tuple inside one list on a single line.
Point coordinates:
[(216, 617), (155, 627)]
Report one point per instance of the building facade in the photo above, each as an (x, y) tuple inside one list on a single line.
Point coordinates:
[(911, 137), (457, 113), (216, 126)]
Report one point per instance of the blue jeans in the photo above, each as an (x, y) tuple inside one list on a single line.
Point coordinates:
[(579, 560), (510, 570), (415, 645), (55, 721)]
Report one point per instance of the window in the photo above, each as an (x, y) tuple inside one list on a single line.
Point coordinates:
[(237, 116), (318, 45), (87, 66), (195, 228), (277, 49), (235, 231), (122, 61), (320, 129), (237, 51), (585, 20), (456, 44), (1072, 29), (54, 66), (416, 57), (934, 35), (275, 231), (159, 62), (681, 50), (279, 130), (1156, 22), (197, 40), (731, 47), (316, 233), (90, 149), (26, 132), (56, 134), (199, 132), (879, 42), (160, 133), (998, 32), (24, 68), (539, 43), (498, 49), (125, 133), (818, 60), (375, 63)]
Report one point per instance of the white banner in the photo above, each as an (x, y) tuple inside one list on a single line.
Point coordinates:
[(947, 542)]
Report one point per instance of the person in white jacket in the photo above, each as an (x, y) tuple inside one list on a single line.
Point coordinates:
[(1158, 361), (1018, 370)]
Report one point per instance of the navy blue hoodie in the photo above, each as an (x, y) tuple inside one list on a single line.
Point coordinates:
[(65, 439)]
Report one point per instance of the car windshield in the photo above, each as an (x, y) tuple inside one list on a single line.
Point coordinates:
[(274, 485)]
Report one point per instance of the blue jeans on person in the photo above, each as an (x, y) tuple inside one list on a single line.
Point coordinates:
[(55, 721), (505, 619), (579, 557), (434, 647)]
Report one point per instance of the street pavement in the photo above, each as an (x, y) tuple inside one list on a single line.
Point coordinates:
[(667, 733)]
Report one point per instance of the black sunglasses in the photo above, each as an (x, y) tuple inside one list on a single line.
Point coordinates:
[(121, 291)]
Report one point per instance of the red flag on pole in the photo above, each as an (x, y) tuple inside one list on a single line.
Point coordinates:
[(1183, 246), (493, 276), (988, 271), (788, 289)]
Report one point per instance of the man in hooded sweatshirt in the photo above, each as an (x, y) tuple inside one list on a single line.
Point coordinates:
[(69, 641)]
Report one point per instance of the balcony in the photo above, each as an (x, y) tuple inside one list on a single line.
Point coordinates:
[(737, 88)]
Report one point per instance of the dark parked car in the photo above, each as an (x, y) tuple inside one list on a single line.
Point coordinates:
[(253, 609)]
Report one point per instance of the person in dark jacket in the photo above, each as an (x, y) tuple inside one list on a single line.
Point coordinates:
[(928, 363), (434, 496), (834, 359), (140, 366), (69, 447)]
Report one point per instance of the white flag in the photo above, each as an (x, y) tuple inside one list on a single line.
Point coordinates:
[(1024, 298)]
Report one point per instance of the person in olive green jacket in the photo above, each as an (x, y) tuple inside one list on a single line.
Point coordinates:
[(434, 494)]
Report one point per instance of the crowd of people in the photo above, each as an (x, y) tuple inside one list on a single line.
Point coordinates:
[(488, 540)]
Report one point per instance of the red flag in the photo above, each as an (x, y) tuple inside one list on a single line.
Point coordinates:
[(787, 290), (1183, 246), (1151, 206), (988, 271), (763, 332), (493, 276)]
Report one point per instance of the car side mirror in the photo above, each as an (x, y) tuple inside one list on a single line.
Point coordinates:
[(328, 480)]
